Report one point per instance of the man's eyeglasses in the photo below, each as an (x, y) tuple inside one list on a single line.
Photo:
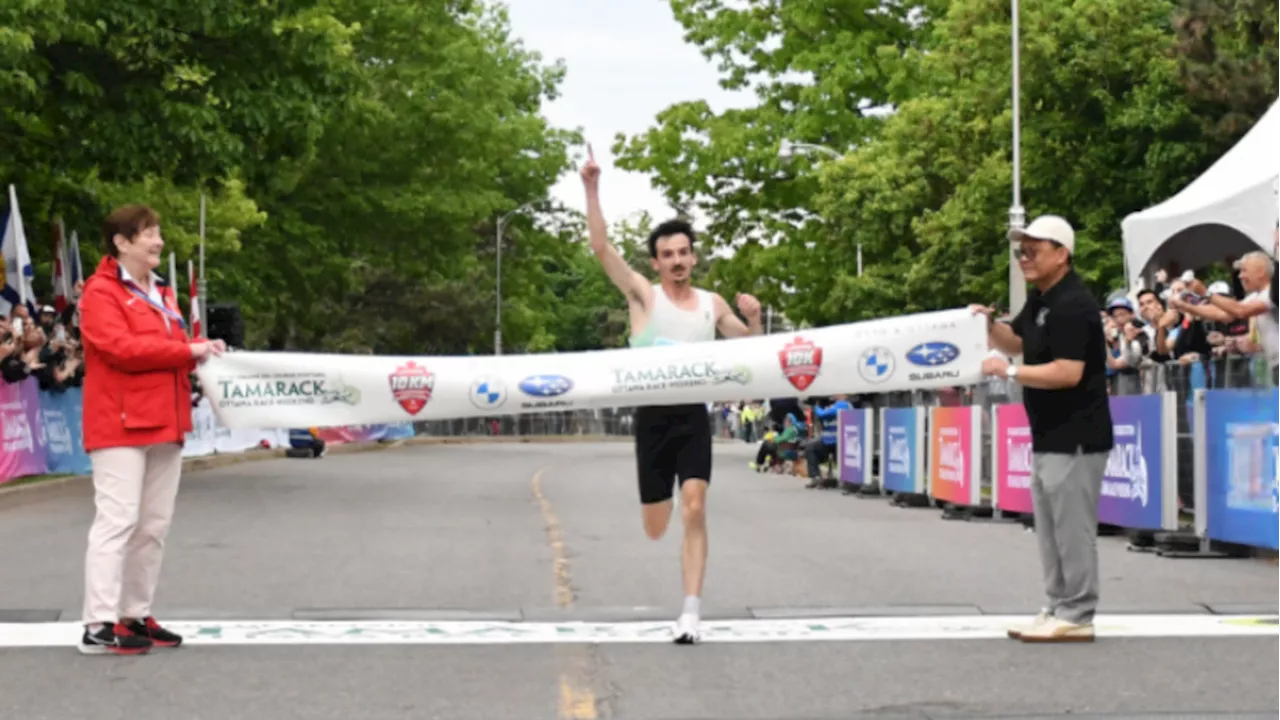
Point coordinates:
[(1032, 251)]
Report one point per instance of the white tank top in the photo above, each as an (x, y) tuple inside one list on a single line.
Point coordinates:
[(670, 325)]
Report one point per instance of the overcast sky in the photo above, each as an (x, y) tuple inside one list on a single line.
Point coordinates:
[(626, 61)]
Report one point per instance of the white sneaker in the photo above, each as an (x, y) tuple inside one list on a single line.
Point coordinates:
[(1017, 631), (1055, 631), (686, 631)]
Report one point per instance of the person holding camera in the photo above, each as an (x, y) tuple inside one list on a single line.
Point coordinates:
[(1256, 271), (1128, 345)]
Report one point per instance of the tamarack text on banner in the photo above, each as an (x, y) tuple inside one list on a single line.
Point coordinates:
[(277, 389)]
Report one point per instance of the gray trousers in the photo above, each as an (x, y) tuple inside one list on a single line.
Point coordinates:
[(1064, 493)]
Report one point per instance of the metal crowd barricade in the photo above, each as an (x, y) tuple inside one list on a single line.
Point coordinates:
[(1183, 378), (1145, 493), (596, 423)]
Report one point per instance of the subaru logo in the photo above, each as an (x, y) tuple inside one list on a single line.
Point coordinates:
[(545, 385), (932, 354)]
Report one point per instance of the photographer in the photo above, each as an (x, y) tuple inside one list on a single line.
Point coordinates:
[(1234, 315), (20, 350), (1177, 336), (1128, 342)]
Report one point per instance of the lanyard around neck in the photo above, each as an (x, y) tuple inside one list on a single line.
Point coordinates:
[(176, 317)]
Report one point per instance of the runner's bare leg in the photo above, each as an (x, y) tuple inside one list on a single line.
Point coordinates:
[(656, 516), (693, 497)]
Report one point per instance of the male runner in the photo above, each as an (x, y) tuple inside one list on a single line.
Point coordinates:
[(671, 441)]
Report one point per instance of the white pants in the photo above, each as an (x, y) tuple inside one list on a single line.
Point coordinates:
[(134, 492)]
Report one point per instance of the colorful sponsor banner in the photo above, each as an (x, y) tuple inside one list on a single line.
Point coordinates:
[(283, 390), (1236, 433), (854, 446), (1011, 448), (1139, 486), (902, 450), (365, 433), (955, 454), (60, 416), (23, 449)]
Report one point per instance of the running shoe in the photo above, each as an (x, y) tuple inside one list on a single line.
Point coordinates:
[(149, 628), (686, 632), (115, 640)]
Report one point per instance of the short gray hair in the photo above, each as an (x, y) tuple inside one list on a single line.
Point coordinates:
[(1262, 258)]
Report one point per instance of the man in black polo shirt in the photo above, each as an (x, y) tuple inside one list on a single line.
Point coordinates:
[(1064, 376)]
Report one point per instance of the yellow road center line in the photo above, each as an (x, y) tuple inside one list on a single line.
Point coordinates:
[(559, 563), (577, 701)]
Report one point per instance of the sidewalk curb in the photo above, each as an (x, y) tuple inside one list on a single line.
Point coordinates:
[(213, 462)]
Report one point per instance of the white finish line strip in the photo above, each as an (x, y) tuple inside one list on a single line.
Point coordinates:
[(979, 627)]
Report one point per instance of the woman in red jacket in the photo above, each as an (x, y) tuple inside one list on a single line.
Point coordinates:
[(137, 411)]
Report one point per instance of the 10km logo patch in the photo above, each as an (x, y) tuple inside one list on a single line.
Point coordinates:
[(801, 362), (411, 386)]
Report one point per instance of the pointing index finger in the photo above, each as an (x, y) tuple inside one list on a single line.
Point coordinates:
[(591, 154)]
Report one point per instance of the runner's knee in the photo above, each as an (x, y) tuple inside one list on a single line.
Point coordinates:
[(692, 505)]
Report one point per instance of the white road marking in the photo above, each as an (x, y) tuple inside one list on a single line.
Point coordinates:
[(979, 627)]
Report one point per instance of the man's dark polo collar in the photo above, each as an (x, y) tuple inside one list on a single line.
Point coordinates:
[(1067, 282)]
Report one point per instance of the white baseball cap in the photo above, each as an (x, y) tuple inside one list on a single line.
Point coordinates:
[(1219, 288), (1048, 227)]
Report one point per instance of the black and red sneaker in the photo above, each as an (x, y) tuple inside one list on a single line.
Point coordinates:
[(149, 628), (113, 639)]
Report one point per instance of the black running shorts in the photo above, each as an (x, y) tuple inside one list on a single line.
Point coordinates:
[(672, 442)]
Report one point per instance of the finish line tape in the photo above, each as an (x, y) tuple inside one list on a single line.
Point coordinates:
[(295, 390), (980, 627)]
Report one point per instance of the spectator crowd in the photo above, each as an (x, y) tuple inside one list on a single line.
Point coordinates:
[(1228, 327), (795, 436), (46, 347)]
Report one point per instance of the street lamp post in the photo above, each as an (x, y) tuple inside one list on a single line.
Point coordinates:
[(497, 302), (1017, 213), (788, 150)]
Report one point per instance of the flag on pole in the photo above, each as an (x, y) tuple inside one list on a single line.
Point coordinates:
[(61, 272), (73, 255), (196, 329), (18, 272)]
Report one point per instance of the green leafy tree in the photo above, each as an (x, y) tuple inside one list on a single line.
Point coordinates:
[(115, 101), (1227, 61), (442, 136), (1111, 124), (819, 71), (1107, 129)]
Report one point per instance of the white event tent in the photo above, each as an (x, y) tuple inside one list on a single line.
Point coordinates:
[(1228, 211)]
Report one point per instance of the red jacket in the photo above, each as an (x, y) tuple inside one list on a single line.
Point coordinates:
[(136, 385)]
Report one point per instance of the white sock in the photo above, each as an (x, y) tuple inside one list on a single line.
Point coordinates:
[(95, 627), (691, 605)]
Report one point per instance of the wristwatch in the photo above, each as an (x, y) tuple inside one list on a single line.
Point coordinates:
[(1011, 372)]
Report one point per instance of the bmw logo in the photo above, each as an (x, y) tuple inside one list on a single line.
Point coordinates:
[(876, 365), (546, 385), (488, 392), (932, 354)]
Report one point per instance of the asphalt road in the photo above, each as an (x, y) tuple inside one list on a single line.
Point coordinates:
[(551, 533)]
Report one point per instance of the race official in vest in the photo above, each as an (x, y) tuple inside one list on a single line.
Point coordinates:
[(137, 410), (1064, 381)]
